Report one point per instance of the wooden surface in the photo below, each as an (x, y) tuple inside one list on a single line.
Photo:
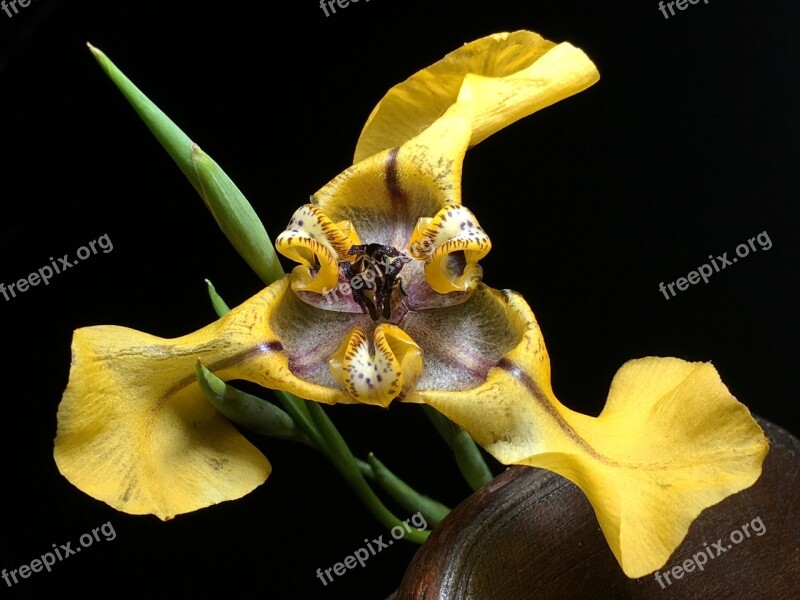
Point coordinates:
[(532, 534)]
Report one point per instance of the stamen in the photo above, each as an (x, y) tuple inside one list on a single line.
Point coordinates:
[(378, 267)]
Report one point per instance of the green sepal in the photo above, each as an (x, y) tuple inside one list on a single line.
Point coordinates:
[(247, 411), (227, 204)]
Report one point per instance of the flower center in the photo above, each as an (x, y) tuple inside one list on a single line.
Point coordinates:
[(374, 277)]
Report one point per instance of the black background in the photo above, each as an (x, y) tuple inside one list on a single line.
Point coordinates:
[(686, 147)]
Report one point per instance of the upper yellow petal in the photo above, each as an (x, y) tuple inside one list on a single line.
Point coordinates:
[(671, 442), (508, 76), (385, 195)]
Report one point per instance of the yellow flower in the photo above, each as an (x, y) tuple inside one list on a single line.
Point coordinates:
[(387, 303), (134, 429)]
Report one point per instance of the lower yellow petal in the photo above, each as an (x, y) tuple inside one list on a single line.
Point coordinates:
[(671, 442), (134, 429), (124, 438), (377, 372)]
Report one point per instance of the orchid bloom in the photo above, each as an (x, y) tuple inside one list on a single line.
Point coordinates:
[(386, 303)]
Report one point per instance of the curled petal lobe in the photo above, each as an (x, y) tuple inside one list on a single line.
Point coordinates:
[(377, 371), (671, 442), (318, 244), (520, 72), (452, 243)]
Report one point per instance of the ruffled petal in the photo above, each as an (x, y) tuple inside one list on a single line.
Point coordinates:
[(310, 336), (506, 76), (134, 429), (671, 442)]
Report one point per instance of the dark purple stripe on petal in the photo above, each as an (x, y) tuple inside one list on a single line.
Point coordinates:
[(262, 348), (518, 373), (396, 195)]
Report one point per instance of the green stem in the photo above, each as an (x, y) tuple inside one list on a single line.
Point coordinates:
[(467, 453), (410, 499), (445, 427), (344, 461), (298, 410), (470, 461)]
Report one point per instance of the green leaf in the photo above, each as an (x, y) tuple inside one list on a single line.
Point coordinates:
[(227, 204), (250, 412), (219, 305)]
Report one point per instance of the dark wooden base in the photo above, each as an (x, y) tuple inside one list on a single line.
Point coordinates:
[(532, 534)]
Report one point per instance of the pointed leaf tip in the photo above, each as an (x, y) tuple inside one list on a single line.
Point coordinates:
[(230, 208)]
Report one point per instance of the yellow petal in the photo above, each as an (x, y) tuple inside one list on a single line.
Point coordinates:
[(134, 429), (451, 243), (125, 438), (386, 194), (378, 372), (518, 74), (498, 102), (318, 244), (671, 442)]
